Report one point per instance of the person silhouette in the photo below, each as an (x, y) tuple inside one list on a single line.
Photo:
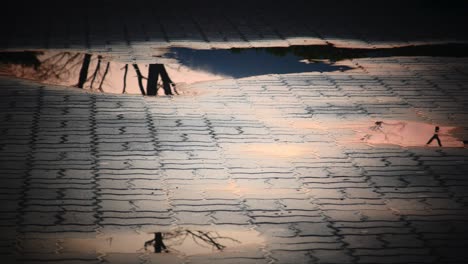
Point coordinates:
[(435, 136)]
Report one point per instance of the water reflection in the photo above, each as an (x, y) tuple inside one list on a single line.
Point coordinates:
[(408, 134), (102, 73), (183, 66), (435, 136), (182, 241), (176, 238), (240, 63)]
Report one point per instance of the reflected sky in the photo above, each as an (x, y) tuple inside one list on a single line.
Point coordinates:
[(240, 63)]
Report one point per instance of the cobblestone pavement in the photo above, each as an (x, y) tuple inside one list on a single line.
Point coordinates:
[(271, 160)]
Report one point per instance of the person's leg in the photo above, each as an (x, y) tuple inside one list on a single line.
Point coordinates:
[(438, 141), (430, 140)]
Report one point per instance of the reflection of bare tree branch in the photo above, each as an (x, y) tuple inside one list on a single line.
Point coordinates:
[(48, 68), (98, 66), (58, 67), (206, 238), (104, 76), (178, 236), (125, 79), (140, 79)]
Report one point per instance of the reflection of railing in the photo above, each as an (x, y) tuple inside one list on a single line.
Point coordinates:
[(179, 236)]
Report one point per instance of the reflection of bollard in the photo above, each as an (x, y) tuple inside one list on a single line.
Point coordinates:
[(157, 243)]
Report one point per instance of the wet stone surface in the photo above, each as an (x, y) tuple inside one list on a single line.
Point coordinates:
[(279, 168)]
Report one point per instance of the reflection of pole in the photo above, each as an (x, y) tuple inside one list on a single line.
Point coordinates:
[(84, 70), (125, 79), (140, 79), (152, 84), (158, 242), (166, 80), (96, 71)]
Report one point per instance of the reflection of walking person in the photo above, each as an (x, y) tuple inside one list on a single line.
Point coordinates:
[(435, 136)]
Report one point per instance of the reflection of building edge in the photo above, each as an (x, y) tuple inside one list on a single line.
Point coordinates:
[(201, 238)]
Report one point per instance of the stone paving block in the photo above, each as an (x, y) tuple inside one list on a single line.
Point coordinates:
[(39, 218), (289, 257), (406, 240), (117, 206), (298, 204), (363, 241), (222, 217), (262, 204), (79, 218), (331, 256), (361, 193), (314, 229), (327, 193), (193, 218), (397, 259)]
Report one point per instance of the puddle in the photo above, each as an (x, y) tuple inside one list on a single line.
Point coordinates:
[(409, 134), (388, 132), (275, 150), (178, 66), (183, 67), (178, 241)]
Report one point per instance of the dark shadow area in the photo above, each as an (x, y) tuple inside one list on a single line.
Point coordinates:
[(84, 24), (332, 53), (23, 58)]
